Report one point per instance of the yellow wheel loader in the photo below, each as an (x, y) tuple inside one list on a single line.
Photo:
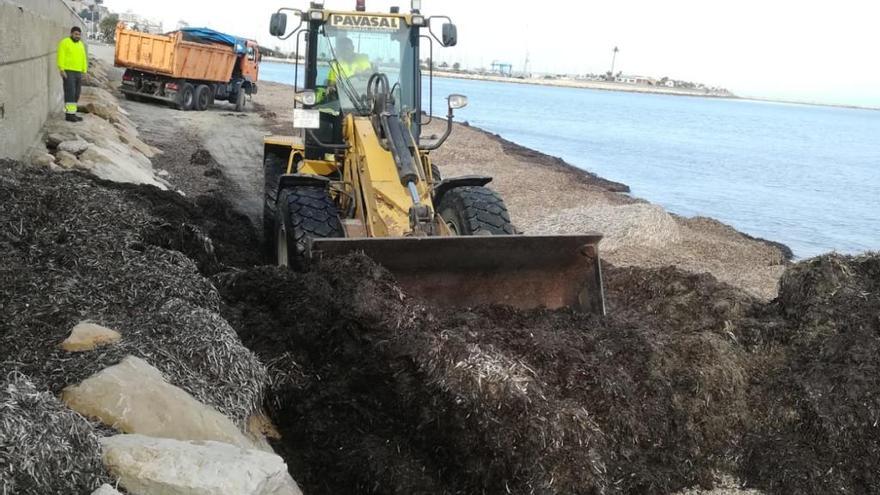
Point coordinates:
[(356, 175)]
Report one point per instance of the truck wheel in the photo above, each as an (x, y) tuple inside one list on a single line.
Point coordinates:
[(240, 101), (203, 97), (186, 99), (475, 210), (303, 213)]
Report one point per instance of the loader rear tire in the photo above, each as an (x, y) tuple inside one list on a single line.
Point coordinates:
[(302, 213), (475, 210)]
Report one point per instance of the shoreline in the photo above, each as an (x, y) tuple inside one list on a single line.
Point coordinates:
[(577, 175), (592, 179)]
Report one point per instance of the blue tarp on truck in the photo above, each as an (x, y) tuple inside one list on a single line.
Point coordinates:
[(210, 36)]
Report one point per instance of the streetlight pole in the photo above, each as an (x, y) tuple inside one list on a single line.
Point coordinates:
[(613, 59)]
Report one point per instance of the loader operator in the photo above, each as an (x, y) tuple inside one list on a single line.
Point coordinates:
[(72, 64), (348, 63)]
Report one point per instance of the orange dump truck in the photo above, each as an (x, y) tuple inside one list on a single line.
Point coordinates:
[(190, 68)]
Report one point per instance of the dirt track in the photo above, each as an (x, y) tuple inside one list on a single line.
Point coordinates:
[(234, 142)]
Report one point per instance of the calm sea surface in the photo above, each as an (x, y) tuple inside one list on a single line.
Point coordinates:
[(802, 175)]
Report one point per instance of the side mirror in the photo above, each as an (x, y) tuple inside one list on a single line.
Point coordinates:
[(278, 24), (450, 34)]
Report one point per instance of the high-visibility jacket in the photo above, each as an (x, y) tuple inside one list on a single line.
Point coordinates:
[(361, 63), (72, 55)]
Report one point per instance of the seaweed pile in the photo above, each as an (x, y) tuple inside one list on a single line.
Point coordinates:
[(817, 398), (378, 393), (688, 378), (75, 248)]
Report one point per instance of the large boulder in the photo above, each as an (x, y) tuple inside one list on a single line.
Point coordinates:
[(67, 160), (134, 397), (99, 102), (148, 466), (74, 146)]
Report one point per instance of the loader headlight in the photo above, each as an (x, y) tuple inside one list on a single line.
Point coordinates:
[(306, 97), (457, 101), (316, 15), (418, 20)]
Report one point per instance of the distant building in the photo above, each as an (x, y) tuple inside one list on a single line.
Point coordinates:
[(502, 68), (628, 79), (91, 12), (670, 83), (141, 23)]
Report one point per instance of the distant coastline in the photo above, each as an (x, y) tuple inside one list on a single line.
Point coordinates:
[(614, 86), (809, 103), (577, 83)]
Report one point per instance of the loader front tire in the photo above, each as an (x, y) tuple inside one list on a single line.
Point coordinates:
[(302, 213), (475, 210)]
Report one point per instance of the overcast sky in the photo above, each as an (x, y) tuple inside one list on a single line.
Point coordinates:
[(807, 50)]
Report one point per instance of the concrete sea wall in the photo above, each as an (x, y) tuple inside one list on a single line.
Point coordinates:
[(30, 87)]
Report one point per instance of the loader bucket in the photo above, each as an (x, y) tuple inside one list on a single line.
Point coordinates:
[(555, 271)]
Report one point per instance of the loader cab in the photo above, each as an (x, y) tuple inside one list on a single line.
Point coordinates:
[(343, 49)]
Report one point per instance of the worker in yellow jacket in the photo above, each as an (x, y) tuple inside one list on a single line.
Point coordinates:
[(73, 64), (348, 63)]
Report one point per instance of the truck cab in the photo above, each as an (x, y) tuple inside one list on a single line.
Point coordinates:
[(249, 62)]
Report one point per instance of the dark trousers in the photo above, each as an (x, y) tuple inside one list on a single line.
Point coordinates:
[(72, 89)]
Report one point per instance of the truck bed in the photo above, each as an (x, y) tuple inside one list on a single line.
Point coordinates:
[(169, 55)]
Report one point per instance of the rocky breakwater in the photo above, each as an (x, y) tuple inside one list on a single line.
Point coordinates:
[(105, 144)]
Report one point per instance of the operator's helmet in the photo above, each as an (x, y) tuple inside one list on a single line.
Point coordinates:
[(344, 45)]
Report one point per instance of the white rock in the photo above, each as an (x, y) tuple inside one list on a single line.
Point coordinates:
[(134, 397), (88, 336), (54, 139), (100, 102), (117, 163), (153, 466), (106, 489), (75, 147), (163, 173), (42, 159), (67, 160)]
